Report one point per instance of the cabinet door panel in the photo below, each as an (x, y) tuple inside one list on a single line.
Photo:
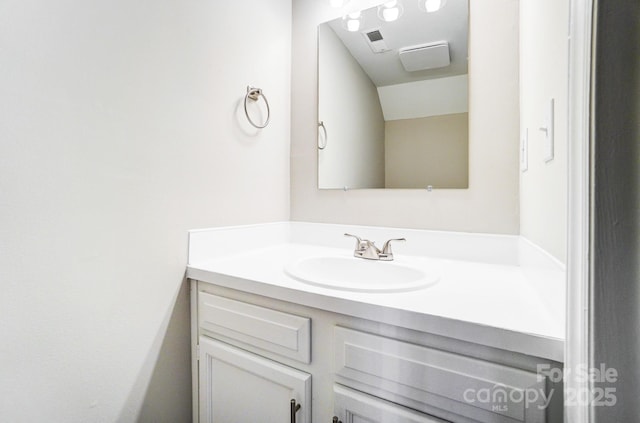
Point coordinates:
[(238, 386)]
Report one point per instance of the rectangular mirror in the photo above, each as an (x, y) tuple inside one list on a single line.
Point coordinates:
[(393, 97)]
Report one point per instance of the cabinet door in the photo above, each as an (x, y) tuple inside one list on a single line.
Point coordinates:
[(355, 407), (238, 386)]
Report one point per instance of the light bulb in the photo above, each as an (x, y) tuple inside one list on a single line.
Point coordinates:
[(431, 6), (353, 25), (390, 11), (351, 21), (390, 15)]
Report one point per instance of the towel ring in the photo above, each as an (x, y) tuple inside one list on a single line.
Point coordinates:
[(255, 94), (326, 136)]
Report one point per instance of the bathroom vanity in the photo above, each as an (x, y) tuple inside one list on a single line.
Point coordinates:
[(481, 340)]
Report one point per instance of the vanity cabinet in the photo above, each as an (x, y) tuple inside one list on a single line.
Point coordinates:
[(253, 355)]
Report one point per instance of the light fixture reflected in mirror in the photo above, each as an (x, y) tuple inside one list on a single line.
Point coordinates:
[(431, 6), (351, 22), (390, 11)]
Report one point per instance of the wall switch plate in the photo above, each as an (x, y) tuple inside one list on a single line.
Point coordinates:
[(548, 129), (524, 150)]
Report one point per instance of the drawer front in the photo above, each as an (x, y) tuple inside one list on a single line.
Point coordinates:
[(427, 379), (243, 324), (354, 407)]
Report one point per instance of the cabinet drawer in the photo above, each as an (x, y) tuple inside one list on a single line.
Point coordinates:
[(243, 324), (352, 407), (438, 382)]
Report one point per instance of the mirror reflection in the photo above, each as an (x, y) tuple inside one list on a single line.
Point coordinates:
[(393, 97)]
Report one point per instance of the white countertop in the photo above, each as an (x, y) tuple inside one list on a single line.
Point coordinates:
[(513, 299)]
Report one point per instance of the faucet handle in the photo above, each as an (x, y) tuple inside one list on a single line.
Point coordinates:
[(386, 248), (354, 236), (359, 240), (364, 244), (365, 248)]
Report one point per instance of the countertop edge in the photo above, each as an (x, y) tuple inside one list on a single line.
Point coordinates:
[(519, 342)]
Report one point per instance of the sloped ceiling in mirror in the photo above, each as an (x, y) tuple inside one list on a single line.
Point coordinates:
[(414, 27)]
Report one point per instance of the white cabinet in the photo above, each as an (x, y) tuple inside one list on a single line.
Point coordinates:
[(253, 355), (238, 386), (355, 407)]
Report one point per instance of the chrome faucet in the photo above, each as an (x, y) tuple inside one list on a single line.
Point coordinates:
[(367, 249)]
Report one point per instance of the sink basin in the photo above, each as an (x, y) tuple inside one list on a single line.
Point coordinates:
[(349, 273)]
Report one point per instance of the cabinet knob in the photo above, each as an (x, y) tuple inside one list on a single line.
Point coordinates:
[(294, 409)]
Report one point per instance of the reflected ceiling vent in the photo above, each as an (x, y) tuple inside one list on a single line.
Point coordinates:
[(425, 56), (376, 41)]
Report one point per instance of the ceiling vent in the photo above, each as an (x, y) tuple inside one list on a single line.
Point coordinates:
[(376, 41), (425, 56)]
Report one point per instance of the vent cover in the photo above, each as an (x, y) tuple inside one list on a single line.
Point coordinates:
[(425, 56), (374, 36), (376, 41)]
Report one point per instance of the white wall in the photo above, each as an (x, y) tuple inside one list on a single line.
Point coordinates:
[(351, 112), (427, 151), (491, 202), (544, 75), (120, 129)]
